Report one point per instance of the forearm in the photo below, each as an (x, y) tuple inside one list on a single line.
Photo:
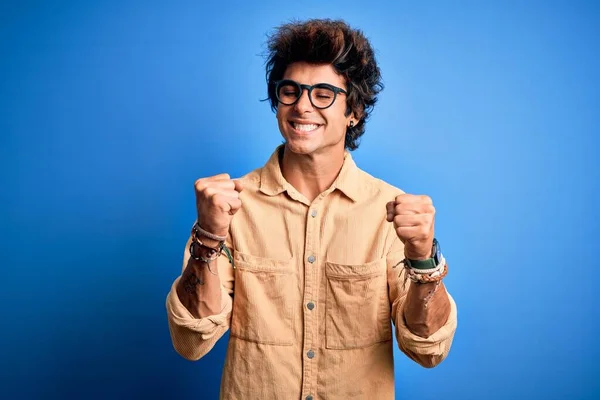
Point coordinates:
[(426, 308), (199, 288)]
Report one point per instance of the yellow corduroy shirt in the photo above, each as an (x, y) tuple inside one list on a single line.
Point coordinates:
[(311, 300)]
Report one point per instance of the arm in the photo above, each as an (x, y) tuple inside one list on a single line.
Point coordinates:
[(199, 288), (199, 305), (427, 308), (425, 326)]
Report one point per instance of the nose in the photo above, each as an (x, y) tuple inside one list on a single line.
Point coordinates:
[(303, 104)]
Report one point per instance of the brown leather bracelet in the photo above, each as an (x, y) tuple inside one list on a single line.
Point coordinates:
[(196, 238), (211, 256), (425, 278)]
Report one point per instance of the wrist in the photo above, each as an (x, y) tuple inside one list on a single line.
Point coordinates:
[(417, 256), (419, 251), (210, 232), (207, 239), (208, 242), (423, 260), (198, 251)]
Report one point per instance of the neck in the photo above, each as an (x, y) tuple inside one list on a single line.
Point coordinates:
[(311, 174)]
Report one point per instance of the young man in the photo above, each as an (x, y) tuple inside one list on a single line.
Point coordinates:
[(314, 274)]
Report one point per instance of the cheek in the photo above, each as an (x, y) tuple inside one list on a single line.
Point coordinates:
[(282, 119), (283, 112), (337, 122), (279, 115), (337, 117)]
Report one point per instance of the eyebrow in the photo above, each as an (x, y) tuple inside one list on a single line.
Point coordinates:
[(318, 83)]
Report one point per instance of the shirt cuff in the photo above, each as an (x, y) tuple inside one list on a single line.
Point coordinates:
[(438, 344)]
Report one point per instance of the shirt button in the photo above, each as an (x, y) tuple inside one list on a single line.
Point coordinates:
[(310, 305), (310, 354), (313, 213), (311, 259), (309, 397)]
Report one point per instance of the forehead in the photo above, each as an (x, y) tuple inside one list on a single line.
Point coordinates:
[(311, 74)]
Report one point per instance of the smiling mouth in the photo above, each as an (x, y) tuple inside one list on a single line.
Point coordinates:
[(304, 127)]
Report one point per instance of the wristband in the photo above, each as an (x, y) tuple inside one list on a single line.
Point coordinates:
[(198, 229)]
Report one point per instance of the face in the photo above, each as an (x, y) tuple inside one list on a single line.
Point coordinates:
[(309, 130)]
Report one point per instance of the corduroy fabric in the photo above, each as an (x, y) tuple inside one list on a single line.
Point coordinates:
[(311, 301)]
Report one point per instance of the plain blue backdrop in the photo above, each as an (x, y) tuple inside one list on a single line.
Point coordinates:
[(110, 110)]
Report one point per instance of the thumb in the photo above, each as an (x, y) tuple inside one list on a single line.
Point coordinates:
[(238, 185), (389, 208)]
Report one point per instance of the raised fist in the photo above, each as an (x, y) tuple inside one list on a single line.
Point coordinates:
[(413, 217), (217, 201)]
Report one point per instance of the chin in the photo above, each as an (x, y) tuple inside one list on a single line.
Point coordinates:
[(300, 148)]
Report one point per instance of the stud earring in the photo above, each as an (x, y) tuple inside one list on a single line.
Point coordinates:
[(351, 124)]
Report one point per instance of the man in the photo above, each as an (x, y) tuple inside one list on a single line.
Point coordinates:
[(303, 259)]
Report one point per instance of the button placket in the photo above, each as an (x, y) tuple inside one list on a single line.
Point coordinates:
[(311, 289)]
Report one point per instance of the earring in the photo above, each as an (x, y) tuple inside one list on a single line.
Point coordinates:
[(351, 124)]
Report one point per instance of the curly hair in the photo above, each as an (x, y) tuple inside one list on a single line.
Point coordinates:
[(324, 41)]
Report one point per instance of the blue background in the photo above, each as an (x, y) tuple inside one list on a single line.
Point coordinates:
[(110, 110)]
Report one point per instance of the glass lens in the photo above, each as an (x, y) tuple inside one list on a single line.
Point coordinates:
[(322, 96), (288, 93)]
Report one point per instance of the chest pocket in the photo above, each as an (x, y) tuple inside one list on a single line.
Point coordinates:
[(358, 309), (264, 300)]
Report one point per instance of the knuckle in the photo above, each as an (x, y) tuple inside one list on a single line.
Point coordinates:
[(209, 192), (199, 185)]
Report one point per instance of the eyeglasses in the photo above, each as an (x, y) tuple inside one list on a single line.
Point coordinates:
[(321, 95)]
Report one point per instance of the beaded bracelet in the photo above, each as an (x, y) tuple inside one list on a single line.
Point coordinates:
[(197, 239), (212, 256), (197, 231)]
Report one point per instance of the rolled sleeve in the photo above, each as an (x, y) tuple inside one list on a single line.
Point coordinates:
[(193, 338), (429, 351)]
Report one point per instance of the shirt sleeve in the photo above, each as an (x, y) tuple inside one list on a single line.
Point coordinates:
[(193, 338), (429, 351)]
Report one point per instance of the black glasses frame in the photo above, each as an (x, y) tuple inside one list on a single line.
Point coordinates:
[(301, 87)]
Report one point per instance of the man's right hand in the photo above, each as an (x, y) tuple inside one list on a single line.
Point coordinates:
[(217, 201)]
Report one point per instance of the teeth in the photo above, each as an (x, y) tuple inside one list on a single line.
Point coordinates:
[(305, 127)]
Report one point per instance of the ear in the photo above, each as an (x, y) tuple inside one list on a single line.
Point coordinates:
[(355, 116), (352, 119)]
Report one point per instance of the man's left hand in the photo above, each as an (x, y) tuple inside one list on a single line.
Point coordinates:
[(413, 218)]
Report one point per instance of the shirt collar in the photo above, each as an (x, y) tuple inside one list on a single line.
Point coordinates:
[(348, 180)]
